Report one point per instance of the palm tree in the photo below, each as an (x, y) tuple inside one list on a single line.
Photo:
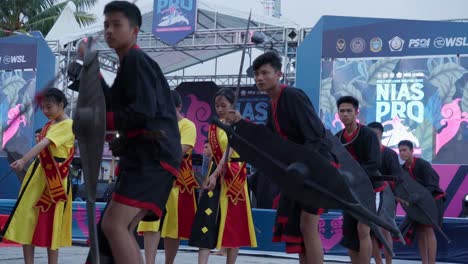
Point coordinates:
[(40, 15)]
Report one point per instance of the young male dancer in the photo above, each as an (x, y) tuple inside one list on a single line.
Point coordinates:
[(389, 166), (292, 116), (422, 172), (362, 144), (140, 108)]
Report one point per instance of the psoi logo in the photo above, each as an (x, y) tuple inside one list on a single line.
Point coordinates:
[(419, 43)]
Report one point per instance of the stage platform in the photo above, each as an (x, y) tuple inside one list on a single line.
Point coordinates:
[(330, 231)]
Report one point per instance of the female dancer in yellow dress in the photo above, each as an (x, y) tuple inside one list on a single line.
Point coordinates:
[(224, 216), (43, 213)]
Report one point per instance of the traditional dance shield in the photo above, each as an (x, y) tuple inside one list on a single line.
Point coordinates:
[(420, 205), (302, 173), (89, 126), (361, 187)]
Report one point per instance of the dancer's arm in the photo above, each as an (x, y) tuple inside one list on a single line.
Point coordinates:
[(18, 165)]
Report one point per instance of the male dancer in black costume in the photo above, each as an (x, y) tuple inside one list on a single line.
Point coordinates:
[(389, 166), (292, 116), (422, 172), (140, 108), (362, 144)]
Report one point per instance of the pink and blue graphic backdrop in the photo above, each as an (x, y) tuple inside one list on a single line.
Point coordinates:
[(26, 65), (410, 75)]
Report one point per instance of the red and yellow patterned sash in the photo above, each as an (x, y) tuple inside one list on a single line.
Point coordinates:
[(55, 174), (186, 179), (235, 173)]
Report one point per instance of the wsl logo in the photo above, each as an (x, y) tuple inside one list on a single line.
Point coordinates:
[(439, 43), (450, 42), (12, 59)]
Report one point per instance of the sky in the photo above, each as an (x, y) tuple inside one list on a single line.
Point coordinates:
[(307, 12)]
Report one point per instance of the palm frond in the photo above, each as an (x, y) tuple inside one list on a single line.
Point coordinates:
[(84, 19), (53, 11), (84, 5), (41, 14), (43, 25)]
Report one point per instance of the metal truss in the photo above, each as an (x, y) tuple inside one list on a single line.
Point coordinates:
[(213, 39), (284, 40), (220, 80)]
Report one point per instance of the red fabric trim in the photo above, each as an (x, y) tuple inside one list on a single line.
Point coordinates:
[(276, 239), (236, 228), (293, 239), (110, 121), (134, 133), (381, 188), (335, 164), (411, 168), (408, 236), (348, 138), (320, 211), (170, 169), (275, 202), (42, 236), (138, 204), (274, 106), (292, 249), (136, 46), (117, 170), (186, 213), (282, 219), (439, 196)]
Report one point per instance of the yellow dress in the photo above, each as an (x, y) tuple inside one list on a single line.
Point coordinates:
[(236, 228), (23, 224)]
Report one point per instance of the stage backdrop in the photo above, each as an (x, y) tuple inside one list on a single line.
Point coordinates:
[(198, 106), (410, 75), (26, 65)]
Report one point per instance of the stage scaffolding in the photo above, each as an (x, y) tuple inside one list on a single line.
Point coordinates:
[(202, 46)]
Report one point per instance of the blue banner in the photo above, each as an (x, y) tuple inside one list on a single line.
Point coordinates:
[(396, 38), (173, 20), (17, 57), (253, 104)]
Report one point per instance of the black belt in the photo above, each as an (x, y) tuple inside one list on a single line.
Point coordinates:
[(236, 160), (59, 160)]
